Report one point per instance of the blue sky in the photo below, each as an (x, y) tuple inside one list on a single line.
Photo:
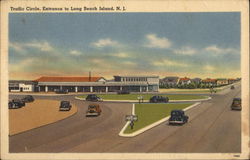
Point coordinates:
[(165, 44)]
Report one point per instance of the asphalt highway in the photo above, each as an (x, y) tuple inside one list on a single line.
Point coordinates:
[(212, 128)]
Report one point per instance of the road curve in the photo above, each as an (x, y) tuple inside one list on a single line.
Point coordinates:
[(213, 128)]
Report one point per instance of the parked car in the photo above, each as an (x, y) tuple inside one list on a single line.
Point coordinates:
[(93, 97), (158, 99), (178, 117), (61, 91), (28, 98), (65, 106), (236, 105), (13, 105), (232, 87), (123, 92), (93, 110), (18, 102)]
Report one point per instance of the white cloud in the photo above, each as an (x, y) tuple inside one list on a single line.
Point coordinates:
[(121, 55), (129, 63), (21, 65), (218, 50), (185, 51), (105, 43), (209, 68), (16, 46), (157, 42), (167, 63), (75, 52), (96, 61), (41, 45)]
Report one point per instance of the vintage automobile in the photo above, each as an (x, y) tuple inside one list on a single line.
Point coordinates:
[(178, 117), (93, 110), (61, 91), (13, 105), (18, 102), (28, 98), (93, 97), (65, 106), (158, 99), (236, 105)]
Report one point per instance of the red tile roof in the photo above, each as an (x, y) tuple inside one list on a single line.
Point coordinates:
[(67, 79), (209, 80), (184, 79)]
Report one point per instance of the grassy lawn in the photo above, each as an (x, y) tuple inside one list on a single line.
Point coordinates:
[(188, 90), (145, 96), (150, 113)]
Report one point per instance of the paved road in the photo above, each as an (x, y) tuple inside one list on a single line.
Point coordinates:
[(213, 128)]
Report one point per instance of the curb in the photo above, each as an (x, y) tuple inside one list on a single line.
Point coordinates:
[(46, 124), (147, 101), (149, 126), (127, 123), (21, 94)]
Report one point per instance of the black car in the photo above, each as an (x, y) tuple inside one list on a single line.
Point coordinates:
[(13, 105), (123, 92), (28, 98), (236, 105), (178, 117), (61, 91), (158, 99), (232, 87), (65, 106), (93, 97), (18, 102)]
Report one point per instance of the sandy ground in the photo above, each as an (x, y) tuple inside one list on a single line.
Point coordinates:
[(36, 114)]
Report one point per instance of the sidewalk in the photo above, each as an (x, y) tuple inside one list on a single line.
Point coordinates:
[(147, 101)]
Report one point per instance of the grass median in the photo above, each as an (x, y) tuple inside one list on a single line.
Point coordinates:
[(145, 96), (150, 113), (196, 91)]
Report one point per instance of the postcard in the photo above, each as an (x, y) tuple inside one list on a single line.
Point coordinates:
[(125, 79)]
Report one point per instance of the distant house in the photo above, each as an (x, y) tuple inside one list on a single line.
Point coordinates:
[(222, 81), (231, 80), (183, 81), (170, 81), (209, 81), (196, 80)]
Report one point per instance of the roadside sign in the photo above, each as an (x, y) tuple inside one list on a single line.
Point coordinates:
[(140, 97), (131, 117)]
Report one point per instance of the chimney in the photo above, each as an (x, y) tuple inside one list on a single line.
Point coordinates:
[(89, 76)]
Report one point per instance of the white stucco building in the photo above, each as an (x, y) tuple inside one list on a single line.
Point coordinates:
[(91, 84)]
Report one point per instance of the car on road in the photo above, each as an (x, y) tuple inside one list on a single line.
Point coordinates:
[(61, 91), (13, 105), (28, 98), (93, 97), (123, 92), (178, 117), (18, 102), (232, 87), (93, 110), (65, 106), (236, 105), (158, 99)]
